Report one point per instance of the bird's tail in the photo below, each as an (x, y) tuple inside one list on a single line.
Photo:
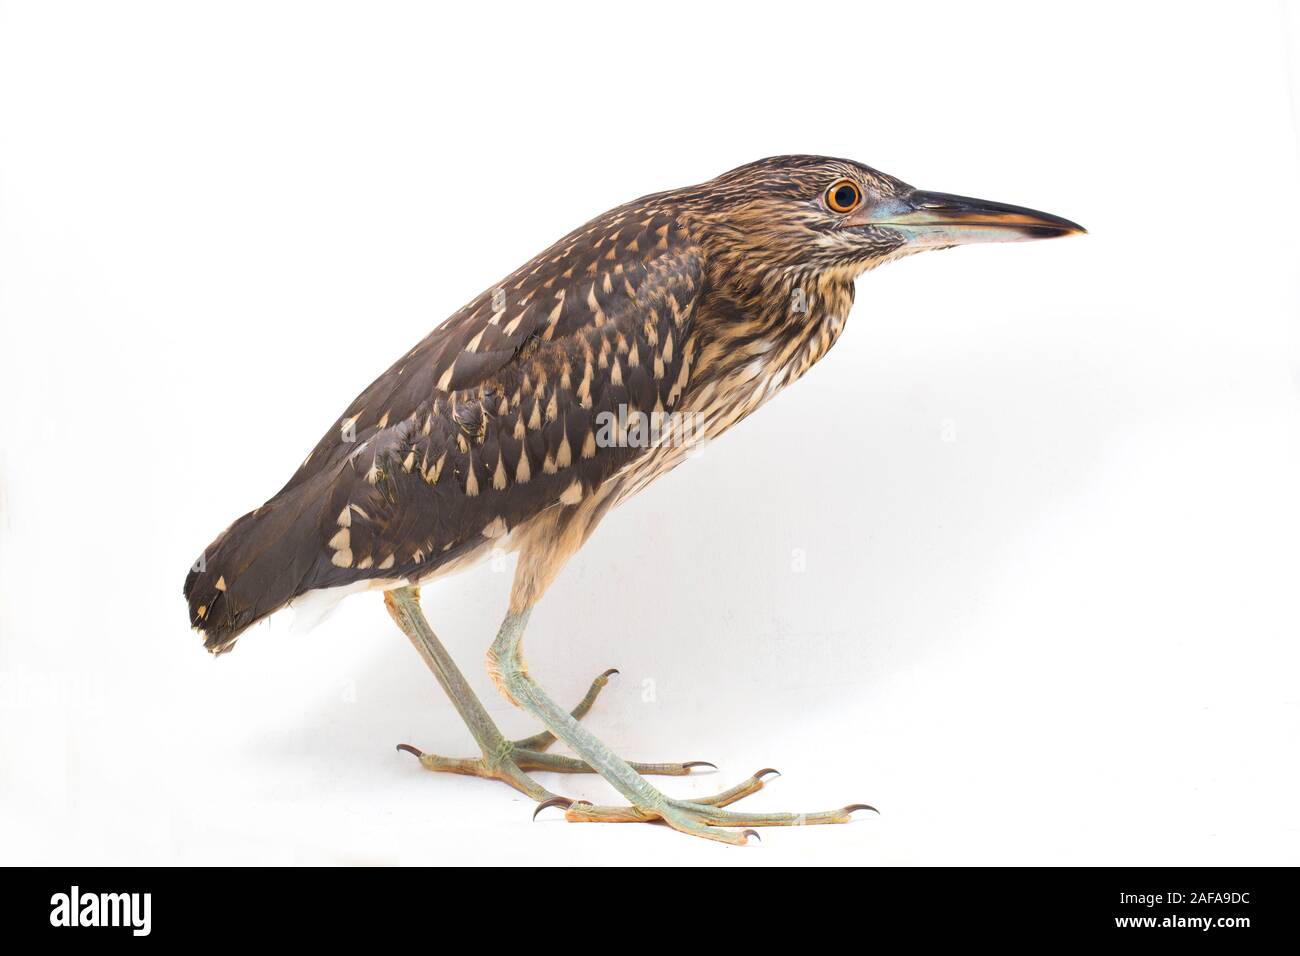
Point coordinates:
[(253, 568)]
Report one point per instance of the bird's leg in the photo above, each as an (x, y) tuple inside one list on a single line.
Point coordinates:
[(404, 606), (529, 751), (702, 818), (502, 759), (541, 741)]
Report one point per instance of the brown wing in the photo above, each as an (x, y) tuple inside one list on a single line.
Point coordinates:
[(489, 420)]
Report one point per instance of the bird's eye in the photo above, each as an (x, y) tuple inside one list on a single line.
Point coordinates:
[(843, 196)]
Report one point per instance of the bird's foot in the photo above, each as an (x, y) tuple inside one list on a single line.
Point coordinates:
[(704, 817), (514, 757)]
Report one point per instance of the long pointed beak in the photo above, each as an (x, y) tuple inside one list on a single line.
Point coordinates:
[(940, 219)]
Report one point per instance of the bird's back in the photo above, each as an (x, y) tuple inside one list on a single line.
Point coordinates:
[(490, 420)]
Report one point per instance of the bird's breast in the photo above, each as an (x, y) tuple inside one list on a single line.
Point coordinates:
[(736, 378), (733, 379)]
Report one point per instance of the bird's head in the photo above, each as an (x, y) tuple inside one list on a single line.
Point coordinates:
[(836, 218)]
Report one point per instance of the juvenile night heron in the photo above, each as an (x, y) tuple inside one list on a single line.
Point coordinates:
[(583, 376)]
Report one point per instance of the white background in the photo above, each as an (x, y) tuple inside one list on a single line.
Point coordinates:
[(1046, 494)]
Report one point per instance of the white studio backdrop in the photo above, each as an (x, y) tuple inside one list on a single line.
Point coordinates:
[(1016, 563)]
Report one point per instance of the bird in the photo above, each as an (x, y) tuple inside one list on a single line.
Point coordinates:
[(559, 393)]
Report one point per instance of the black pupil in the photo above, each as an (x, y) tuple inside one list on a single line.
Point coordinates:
[(845, 196)]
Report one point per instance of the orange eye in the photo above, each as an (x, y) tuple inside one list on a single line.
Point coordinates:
[(843, 196)]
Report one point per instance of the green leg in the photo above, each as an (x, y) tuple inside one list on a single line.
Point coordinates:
[(502, 759), (540, 742), (702, 818)]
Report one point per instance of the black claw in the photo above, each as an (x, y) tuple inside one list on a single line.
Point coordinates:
[(610, 673), (699, 763), (758, 775), (407, 748), (553, 802), (861, 806), (751, 833)]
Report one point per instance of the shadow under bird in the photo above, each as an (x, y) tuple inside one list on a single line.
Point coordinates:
[(587, 373)]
